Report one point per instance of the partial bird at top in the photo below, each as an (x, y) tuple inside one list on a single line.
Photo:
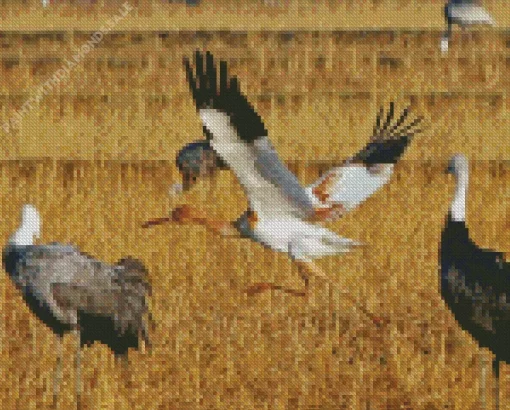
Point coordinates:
[(463, 13), (282, 215)]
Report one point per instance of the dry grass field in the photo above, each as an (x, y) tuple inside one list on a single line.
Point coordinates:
[(96, 154), (128, 99), (216, 348)]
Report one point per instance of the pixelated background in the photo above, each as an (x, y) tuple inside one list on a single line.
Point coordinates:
[(96, 156)]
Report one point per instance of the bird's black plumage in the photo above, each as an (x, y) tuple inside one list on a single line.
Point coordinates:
[(102, 329), (475, 284), (228, 98)]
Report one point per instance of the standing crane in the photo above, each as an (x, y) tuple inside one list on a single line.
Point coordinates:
[(70, 291), (475, 282)]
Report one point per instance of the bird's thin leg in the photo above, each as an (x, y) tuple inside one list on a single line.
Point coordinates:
[(308, 269), (78, 367), (483, 382), (482, 386), (495, 369), (264, 286), (57, 376)]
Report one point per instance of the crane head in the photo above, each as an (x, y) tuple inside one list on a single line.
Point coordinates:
[(196, 160), (458, 164)]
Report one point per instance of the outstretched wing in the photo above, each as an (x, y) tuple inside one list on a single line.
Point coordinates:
[(237, 134), (362, 175)]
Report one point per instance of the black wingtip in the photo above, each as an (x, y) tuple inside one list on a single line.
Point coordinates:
[(211, 72), (203, 81), (223, 76), (389, 116), (402, 118), (198, 56), (390, 138), (377, 125), (192, 82)]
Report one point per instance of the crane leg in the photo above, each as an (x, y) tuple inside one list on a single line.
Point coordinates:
[(308, 269), (264, 286), (78, 368), (495, 369), (57, 376), (483, 382)]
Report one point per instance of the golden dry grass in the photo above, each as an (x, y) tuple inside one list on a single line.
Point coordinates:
[(216, 348), (128, 99), (127, 107)]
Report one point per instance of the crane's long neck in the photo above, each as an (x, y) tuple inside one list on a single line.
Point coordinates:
[(26, 233), (458, 206), (22, 237)]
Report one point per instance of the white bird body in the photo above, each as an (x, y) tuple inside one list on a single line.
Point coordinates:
[(301, 239), (277, 224), (470, 14), (281, 212), (262, 195)]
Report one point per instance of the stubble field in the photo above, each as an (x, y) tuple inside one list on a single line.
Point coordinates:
[(96, 157)]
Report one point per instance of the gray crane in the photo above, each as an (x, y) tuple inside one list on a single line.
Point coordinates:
[(464, 13), (70, 291)]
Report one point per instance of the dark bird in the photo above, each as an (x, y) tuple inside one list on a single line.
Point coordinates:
[(463, 13), (475, 282), (70, 291), (282, 215), (196, 160)]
